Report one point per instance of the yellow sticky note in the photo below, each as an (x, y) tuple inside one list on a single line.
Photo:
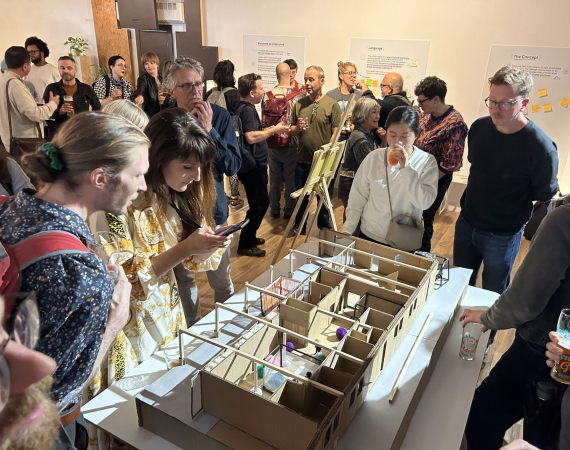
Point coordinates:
[(565, 102), (414, 63), (535, 108), (547, 107), (369, 82), (375, 92), (374, 83), (542, 92)]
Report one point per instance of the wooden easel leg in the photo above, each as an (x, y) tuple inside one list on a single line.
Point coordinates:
[(328, 203), (289, 227), (304, 218), (314, 219)]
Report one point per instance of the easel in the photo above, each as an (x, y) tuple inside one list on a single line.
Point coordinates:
[(323, 168)]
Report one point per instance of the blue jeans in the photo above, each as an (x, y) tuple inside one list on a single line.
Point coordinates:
[(301, 174), (497, 253)]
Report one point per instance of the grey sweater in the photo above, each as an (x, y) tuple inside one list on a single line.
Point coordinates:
[(541, 286)]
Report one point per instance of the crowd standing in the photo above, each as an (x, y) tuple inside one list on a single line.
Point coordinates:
[(150, 168)]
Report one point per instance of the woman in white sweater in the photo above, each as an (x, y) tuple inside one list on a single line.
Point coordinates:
[(413, 180)]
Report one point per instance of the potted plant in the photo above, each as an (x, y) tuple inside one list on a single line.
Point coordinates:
[(78, 47)]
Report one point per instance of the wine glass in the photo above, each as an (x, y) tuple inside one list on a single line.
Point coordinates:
[(106, 246)]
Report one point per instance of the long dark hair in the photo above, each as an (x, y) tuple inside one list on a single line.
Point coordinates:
[(175, 134), (224, 74)]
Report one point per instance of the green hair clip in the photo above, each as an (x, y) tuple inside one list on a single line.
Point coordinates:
[(52, 153)]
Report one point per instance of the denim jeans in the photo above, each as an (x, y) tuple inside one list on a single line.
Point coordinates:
[(301, 174), (497, 253)]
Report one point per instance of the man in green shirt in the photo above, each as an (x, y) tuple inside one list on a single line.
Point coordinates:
[(316, 118)]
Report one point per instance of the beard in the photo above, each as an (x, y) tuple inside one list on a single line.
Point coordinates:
[(68, 77), (41, 434), (37, 60)]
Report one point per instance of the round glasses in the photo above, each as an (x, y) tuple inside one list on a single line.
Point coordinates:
[(23, 327), (505, 106)]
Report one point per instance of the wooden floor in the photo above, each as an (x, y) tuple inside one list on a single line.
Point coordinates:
[(245, 268)]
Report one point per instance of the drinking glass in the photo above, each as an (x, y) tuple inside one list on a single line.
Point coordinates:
[(305, 119), (469, 340), (107, 248), (561, 370), (171, 357), (287, 123)]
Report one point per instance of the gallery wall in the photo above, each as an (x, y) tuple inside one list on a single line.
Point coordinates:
[(52, 21), (461, 33)]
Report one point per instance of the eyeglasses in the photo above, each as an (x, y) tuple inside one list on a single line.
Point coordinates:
[(33, 52), (385, 85), (421, 102), (313, 112), (23, 327), (350, 74), (505, 106), (187, 87)]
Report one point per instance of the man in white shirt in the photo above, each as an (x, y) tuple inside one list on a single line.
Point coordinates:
[(25, 114), (42, 73)]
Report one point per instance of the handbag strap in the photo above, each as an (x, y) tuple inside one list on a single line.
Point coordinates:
[(10, 115), (388, 181)]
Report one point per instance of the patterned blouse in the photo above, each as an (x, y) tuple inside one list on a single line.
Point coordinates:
[(156, 312), (100, 88), (73, 292), (444, 137)]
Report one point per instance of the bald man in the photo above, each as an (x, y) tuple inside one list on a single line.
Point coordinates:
[(392, 92), (282, 161)]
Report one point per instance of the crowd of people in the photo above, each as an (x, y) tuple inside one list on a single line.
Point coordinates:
[(150, 167)]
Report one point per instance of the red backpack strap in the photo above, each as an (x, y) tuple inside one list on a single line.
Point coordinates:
[(291, 95), (3, 198), (46, 244), (270, 95)]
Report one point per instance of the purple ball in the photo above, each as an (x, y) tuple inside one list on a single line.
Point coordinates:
[(290, 346), (340, 333)]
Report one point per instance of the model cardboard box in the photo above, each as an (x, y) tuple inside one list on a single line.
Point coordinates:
[(365, 290)]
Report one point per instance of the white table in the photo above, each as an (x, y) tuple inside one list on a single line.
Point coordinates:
[(114, 409)]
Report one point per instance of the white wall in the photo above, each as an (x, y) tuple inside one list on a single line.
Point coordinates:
[(461, 32), (53, 21)]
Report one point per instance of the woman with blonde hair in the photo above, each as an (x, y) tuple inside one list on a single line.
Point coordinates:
[(347, 79), (149, 85), (129, 111)]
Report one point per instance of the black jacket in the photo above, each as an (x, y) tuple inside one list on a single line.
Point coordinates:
[(83, 98), (146, 86), (387, 104)]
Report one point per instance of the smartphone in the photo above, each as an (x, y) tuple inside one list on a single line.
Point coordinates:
[(238, 226)]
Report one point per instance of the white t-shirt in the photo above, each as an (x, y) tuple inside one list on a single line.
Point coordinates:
[(40, 77)]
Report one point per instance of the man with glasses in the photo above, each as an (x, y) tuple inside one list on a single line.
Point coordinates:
[(41, 73), (513, 163), (316, 119), (28, 416), (184, 81), (393, 95), (113, 86)]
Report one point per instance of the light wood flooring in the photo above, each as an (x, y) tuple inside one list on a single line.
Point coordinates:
[(245, 268)]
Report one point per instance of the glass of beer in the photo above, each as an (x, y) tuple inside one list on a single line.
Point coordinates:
[(68, 99), (561, 370)]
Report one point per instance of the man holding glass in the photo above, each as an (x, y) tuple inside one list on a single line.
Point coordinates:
[(315, 120), (532, 304), (513, 163)]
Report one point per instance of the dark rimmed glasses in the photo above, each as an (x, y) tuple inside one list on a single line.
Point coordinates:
[(505, 106)]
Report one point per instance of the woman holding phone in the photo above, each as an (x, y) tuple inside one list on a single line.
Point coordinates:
[(412, 180), (166, 226)]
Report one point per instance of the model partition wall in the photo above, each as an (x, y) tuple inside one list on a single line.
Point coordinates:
[(295, 378)]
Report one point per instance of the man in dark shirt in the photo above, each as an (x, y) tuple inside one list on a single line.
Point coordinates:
[(83, 96), (531, 305), (251, 91), (513, 163), (393, 95), (184, 80)]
